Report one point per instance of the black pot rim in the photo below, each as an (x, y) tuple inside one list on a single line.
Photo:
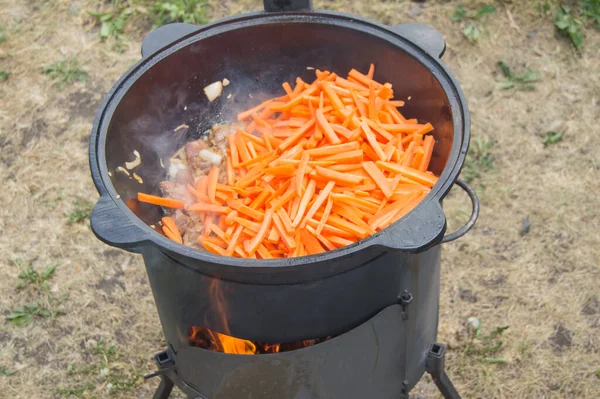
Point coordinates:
[(432, 202)]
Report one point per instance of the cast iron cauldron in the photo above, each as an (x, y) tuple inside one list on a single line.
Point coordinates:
[(286, 299)]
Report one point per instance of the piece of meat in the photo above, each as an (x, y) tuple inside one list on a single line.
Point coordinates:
[(219, 134), (190, 229), (192, 151), (185, 177), (174, 190)]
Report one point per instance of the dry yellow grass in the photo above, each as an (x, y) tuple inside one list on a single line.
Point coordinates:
[(544, 285)]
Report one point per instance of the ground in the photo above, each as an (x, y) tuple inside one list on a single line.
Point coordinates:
[(531, 263)]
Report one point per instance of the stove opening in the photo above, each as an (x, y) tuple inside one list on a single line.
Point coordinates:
[(204, 338)]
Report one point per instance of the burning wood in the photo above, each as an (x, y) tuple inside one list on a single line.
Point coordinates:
[(204, 338)]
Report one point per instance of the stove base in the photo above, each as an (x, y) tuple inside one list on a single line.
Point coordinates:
[(435, 366)]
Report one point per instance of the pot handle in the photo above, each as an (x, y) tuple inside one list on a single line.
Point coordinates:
[(114, 228), (287, 5), (422, 228), (165, 35), (423, 36), (474, 213)]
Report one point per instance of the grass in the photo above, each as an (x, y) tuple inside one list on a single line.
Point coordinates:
[(485, 347), (64, 73), (571, 19), (552, 138), (4, 76), (106, 368), (6, 372), (569, 25), (523, 81), (474, 19), (115, 20), (188, 11), (81, 212), (479, 159), (46, 307), (32, 277)]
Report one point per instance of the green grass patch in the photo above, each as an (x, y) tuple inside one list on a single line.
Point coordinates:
[(119, 17), (47, 307), (105, 369), (473, 20), (64, 73), (552, 138), (479, 160), (523, 81), (485, 346), (82, 210)]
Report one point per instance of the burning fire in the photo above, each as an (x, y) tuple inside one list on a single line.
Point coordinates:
[(211, 340), (206, 339)]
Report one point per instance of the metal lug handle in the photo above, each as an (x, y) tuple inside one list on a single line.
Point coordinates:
[(474, 213), (113, 227), (423, 36), (287, 5), (165, 35)]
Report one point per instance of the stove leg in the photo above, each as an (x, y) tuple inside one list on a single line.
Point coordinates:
[(164, 389), (435, 367)]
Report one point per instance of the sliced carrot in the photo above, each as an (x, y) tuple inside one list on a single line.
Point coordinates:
[(297, 136), (242, 116), (333, 97), (346, 157), (307, 196), (285, 236), (379, 178), (171, 230), (427, 152), (371, 71), (339, 241), (326, 127), (311, 244), (213, 248), (245, 210), (323, 195), (262, 233), (342, 178), (372, 140), (203, 207), (213, 179), (166, 202)]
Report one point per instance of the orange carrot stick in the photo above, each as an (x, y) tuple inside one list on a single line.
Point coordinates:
[(342, 178), (261, 234), (308, 194), (171, 230), (202, 207), (379, 178), (213, 179), (326, 127), (427, 152), (166, 202)]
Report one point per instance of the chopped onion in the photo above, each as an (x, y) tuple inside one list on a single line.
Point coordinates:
[(123, 170), (174, 168), (226, 82), (213, 90), (138, 178), (210, 156), (135, 162), (183, 126)]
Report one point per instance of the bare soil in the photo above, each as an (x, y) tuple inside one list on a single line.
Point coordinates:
[(542, 283)]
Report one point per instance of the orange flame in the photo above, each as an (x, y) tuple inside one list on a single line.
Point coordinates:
[(211, 340)]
